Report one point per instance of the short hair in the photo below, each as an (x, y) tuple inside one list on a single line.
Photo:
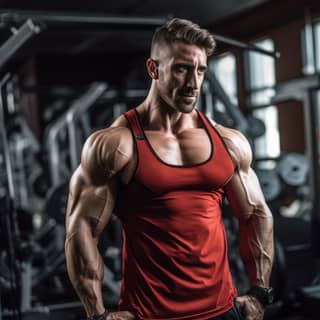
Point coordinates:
[(185, 31)]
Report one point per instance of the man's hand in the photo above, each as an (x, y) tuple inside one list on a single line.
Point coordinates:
[(120, 315), (250, 307)]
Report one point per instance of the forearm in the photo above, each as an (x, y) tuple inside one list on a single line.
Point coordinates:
[(85, 269), (257, 247)]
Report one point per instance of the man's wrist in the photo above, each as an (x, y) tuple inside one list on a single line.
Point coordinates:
[(264, 295), (102, 316)]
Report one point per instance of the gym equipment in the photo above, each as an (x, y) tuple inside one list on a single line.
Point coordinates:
[(7, 210), (4, 140), (298, 265), (309, 299), (19, 37), (79, 107), (232, 116), (256, 127), (293, 168), (22, 265), (239, 120), (56, 203), (302, 90), (61, 167), (23, 147), (270, 183)]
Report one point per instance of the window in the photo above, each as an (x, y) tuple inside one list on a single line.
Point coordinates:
[(316, 39), (224, 68), (317, 45), (260, 86), (316, 29)]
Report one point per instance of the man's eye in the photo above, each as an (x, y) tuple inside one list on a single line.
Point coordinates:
[(201, 72), (181, 69)]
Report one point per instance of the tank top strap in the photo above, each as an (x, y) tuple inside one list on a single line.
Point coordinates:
[(215, 136), (204, 119), (132, 118)]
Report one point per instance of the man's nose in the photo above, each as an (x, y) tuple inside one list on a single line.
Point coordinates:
[(193, 80)]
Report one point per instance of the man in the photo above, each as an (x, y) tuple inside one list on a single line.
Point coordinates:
[(163, 169)]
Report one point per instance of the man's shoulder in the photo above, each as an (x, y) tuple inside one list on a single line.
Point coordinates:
[(121, 122), (108, 149), (112, 136), (109, 136), (237, 145)]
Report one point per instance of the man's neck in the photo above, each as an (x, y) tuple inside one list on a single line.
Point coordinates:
[(160, 117), (156, 114)]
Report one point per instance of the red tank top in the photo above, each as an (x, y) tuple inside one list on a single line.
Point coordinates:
[(174, 259)]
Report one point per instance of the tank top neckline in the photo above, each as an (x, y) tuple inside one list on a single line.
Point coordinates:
[(174, 165)]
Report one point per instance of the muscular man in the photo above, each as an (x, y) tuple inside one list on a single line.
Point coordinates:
[(163, 168)]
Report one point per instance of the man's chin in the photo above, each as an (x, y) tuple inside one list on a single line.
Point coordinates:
[(185, 104), (186, 108)]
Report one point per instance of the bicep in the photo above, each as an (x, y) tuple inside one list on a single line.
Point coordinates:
[(243, 190), (90, 205), (93, 186), (245, 195)]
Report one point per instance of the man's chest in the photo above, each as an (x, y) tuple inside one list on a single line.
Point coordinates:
[(189, 147)]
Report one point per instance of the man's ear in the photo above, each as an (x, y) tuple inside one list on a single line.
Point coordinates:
[(152, 67)]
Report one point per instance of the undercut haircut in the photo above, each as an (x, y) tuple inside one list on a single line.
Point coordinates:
[(185, 31)]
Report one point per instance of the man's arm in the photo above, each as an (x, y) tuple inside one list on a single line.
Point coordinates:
[(255, 219), (92, 193)]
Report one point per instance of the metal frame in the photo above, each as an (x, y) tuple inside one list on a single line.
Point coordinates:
[(4, 138), (66, 121), (308, 47), (233, 111), (9, 212), (295, 89), (73, 20), (19, 37), (76, 20), (76, 111), (78, 108), (246, 46)]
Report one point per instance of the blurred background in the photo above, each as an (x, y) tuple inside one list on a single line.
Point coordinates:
[(70, 68)]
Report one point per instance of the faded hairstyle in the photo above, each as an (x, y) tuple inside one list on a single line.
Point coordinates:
[(185, 31)]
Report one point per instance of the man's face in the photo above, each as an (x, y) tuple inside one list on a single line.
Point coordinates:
[(181, 70)]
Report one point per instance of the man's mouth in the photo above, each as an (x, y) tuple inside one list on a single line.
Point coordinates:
[(188, 95)]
